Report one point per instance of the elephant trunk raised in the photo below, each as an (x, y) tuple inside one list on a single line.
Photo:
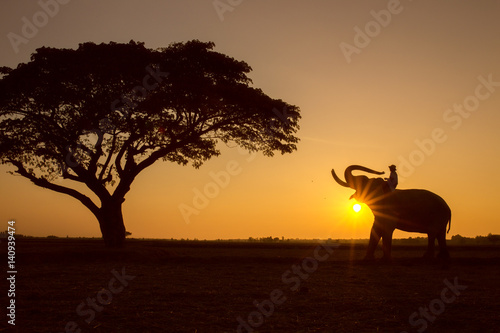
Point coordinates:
[(350, 179)]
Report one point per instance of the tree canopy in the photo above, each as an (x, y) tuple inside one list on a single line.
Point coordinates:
[(101, 114)]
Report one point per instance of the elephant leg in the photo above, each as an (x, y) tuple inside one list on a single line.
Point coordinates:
[(443, 251), (387, 244), (372, 245), (431, 239)]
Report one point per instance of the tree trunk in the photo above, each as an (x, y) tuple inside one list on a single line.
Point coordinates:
[(111, 223)]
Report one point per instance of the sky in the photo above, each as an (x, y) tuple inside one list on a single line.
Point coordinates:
[(411, 83)]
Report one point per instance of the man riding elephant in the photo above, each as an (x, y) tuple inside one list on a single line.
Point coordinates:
[(392, 181)]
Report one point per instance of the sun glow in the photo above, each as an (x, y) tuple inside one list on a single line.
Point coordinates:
[(356, 207)]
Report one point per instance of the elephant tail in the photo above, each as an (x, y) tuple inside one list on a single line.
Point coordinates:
[(449, 224)]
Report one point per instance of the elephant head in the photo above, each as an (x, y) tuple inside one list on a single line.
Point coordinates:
[(368, 190)]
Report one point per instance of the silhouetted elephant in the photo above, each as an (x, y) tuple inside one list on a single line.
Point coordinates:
[(407, 210)]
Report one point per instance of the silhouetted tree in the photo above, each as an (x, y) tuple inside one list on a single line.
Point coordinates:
[(458, 239), (493, 238), (101, 114)]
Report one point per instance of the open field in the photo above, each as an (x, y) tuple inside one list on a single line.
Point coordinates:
[(169, 286)]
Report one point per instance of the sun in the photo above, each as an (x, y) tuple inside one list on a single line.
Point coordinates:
[(356, 207)]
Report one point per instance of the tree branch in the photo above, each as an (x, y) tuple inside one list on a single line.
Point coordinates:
[(57, 188), (108, 159), (119, 156)]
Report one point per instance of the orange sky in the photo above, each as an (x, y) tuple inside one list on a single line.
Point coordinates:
[(411, 83)]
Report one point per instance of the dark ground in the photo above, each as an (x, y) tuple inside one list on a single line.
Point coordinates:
[(201, 286)]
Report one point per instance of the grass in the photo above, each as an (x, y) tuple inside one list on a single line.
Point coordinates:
[(206, 286)]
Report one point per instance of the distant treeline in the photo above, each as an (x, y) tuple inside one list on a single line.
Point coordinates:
[(487, 240), (455, 240)]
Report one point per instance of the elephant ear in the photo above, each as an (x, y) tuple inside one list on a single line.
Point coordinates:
[(377, 186), (360, 182), (379, 182)]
